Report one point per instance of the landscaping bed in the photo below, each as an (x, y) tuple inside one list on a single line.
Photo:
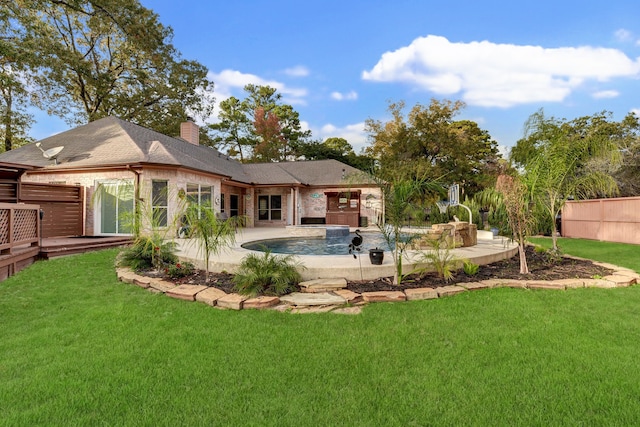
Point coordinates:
[(541, 266)]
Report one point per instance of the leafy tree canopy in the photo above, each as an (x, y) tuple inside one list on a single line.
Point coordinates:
[(429, 143), (93, 58), (259, 128)]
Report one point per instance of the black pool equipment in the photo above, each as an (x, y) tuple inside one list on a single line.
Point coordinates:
[(355, 244)]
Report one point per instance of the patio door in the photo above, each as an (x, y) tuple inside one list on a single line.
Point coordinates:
[(234, 205), (114, 213)]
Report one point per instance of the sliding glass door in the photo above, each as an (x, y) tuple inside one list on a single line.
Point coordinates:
[(114, 213)]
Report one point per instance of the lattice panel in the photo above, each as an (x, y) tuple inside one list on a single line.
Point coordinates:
[(24, 224), (4, 226)]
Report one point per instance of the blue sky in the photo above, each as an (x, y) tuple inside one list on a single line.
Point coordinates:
[(340, 62)]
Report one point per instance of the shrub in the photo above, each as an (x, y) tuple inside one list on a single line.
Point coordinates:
[(148, 252), (444, 262), (180, 269), (470, 268), (267, 274)]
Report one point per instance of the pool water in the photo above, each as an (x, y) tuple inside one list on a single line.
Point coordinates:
[(318, 245)]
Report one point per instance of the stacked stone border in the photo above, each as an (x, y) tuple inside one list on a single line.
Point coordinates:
[(330, 295)]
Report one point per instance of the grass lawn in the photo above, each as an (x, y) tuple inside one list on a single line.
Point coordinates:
[(621, 254), (77, 347)]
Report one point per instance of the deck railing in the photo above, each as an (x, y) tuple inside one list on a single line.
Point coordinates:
[(19, 227)]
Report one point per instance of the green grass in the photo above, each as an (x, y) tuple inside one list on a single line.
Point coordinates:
[(621, 254), (77, 347)]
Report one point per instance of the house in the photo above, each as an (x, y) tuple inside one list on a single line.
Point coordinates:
[(119, 163)]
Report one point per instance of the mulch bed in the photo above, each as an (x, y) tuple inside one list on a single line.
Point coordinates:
[(541, 267)]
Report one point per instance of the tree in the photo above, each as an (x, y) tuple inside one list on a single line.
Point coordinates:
[(402, 199), (559, 153), (233, 132), (237, 130), (14, 96), (210, 234), (428, 142), (95, 58), (336, 149), (516, 200), (272, 142)]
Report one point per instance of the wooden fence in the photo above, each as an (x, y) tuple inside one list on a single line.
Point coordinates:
[(611, 220), (19, 237), (63, 207)]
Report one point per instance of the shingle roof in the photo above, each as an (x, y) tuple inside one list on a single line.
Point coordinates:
[(113, 142), (313, 172)]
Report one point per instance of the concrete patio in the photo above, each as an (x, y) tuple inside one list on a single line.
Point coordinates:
[(487, 250)]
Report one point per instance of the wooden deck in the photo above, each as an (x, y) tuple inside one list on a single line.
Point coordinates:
[(59, 246)]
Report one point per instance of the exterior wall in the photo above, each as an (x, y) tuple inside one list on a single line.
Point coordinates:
[(313, 202), (85, 179), (177, 180), (282, 191), (611, 220)]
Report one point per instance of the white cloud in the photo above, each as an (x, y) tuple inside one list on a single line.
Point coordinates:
[(354, 134), (635, 111), (297, 71), (499, 75), (231, 82), (623, 35), (606, 94), (350, 96)]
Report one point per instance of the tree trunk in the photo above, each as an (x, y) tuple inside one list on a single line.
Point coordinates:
[(524, 268)]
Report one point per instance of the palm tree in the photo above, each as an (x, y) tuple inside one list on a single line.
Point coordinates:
[(402, 199), (556, 170), (210, 233)]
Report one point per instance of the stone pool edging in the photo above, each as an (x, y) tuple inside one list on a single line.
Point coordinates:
[(330, 295)]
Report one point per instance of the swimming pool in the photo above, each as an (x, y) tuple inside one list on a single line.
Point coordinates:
[(318, 245)]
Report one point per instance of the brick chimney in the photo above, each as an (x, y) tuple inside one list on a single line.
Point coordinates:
[(190, 132)]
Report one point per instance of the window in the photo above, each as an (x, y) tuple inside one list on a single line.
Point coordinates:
[(200, 195), (222, 202), (269, 208), (160, 202)]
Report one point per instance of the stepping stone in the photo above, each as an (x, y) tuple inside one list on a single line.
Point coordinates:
[(261, 302), (143, 282), (620, 280), (312, 299), (323, 285), (571, 283), (232, 301), (185, 292), (599, 283), (161, 286), (125, 275), (494, 283), (210, 296), (349, 296), (420, 293), (543, 284), (516, 284), (628, 273), (474, 286), (384, 296), (446, 291)]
